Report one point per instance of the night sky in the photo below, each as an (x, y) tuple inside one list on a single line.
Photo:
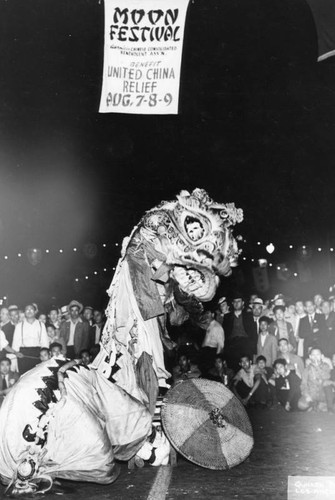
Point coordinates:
[(256, 126)]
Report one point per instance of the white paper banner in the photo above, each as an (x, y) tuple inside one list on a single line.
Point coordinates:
[(142, 59)]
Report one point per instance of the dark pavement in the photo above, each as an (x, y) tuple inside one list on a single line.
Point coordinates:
[(296, 444)]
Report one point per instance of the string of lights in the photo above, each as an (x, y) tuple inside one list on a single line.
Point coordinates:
[(269, 247), (90, 250), (19, 254)]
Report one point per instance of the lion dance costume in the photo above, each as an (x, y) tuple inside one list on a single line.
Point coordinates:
[(170, 265)]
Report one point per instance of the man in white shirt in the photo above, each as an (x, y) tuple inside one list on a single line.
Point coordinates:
[(214, 337), (5, 347), (212, 344), (29, 337)]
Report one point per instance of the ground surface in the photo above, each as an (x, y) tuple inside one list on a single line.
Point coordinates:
[(296, 444)]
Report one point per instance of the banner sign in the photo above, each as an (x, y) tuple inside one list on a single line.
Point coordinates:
[(142, 58)]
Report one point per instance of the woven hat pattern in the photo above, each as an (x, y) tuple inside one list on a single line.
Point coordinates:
[(207, 424)]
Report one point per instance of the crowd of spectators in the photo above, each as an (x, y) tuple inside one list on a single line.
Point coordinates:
[(271, 354), (29, 337)]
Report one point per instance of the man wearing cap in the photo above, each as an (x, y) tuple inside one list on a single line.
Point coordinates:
[(29, 337), (75, 331), (88, 315), (63, 314), (13, 314), (240, 336), (257, 307), (222, 310)]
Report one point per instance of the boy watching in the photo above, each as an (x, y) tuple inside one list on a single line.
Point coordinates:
[(185, 370), (44, 354), (244, 383), (262, 373), (85, 357), (220, 372), (56, 350), (53, 335), (294, 362), (287, 385)]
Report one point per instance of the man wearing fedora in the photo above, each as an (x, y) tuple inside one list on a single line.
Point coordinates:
[(240, 336), (222, 310), (75, 331)]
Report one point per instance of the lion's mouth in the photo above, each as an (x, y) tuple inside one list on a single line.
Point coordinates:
[(198, 282)]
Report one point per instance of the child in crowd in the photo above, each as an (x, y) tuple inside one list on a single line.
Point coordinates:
[(245, 383), (220, 372), (262, 391), (287, 385), (185, 370), (53, 335), (316, 388), (294, 362), (56, 350), (85, 357), (45, 354)]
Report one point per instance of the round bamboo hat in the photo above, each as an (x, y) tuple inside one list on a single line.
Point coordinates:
[(207, 424)]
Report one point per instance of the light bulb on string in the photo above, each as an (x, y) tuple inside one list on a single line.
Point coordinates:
[(270, 248)]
